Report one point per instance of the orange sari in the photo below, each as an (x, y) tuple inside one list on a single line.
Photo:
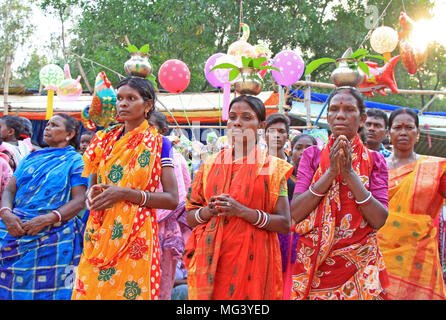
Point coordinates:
[(228, 257), (337, 253), (408, 240), (120, 259)]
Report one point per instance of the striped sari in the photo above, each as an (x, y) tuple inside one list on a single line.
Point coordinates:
[(409, 240), (121, 248), (228, 257), (41, 267)]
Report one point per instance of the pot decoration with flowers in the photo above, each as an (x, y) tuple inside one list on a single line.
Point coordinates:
[(139, 64), (247, 79)]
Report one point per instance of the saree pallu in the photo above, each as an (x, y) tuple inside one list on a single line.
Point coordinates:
[(227, 257), (408, 240), (41, 267), (120, 259), (337, 252)]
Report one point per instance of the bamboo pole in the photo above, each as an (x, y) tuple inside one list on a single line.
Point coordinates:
[(81, 70), (6, 87), (223, 127), (307, 98)]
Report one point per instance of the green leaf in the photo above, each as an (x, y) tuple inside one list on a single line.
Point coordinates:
[(359, 53), (225, 65), (313, 65), (145, 49), (267, 68), (245, 61), (132, 48), (233, 74), (364, 67), (376, 57), (257, 62)]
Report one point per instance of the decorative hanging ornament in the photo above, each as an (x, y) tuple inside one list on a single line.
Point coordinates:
[(241, 47), (69, 89), (384, 40), (379, 78), (50, 76)]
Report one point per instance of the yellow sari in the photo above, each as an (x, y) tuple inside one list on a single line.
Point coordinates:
[(408, 240), (120, 259)]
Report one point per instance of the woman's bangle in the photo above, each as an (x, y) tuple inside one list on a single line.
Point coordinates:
[(197, 216), (3, 209), (265, 221), (143, 198), (148, 196), (365, 200), (316, 193), (59, 216), (259, 218)]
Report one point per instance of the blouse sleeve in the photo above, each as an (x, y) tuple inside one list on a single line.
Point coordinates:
[(379, 179), (307, 167), (76, 178), (166, 153)]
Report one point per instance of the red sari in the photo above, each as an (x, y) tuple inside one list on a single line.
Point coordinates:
[(228, 257), (337, 250)]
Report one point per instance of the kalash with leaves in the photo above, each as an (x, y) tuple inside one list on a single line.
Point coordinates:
[(347, 67), (247, 79), (139, 64)]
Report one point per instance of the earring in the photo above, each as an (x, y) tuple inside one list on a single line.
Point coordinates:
[(67, 138)]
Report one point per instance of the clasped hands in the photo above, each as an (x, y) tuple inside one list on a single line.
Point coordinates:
[(225, 205), (102, 196), (341, 157)]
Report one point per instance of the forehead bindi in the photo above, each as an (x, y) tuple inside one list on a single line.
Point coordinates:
[(404, 120), (343, 99)]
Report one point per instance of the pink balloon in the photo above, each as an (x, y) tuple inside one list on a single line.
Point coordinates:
[(211, 76), (174, 76), (291, 66)]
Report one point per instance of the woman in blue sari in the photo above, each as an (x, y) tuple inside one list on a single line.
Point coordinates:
[(40, 242)]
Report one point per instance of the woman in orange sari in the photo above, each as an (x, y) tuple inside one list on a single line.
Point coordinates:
[(339, 203), (237, 204), (408, 240), (120, 259)]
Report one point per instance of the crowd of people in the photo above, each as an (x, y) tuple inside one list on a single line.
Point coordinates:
[(119, 214)]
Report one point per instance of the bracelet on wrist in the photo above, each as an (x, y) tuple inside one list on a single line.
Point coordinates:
[(59, 216), (365, 200), (198, 217), (317, 194)]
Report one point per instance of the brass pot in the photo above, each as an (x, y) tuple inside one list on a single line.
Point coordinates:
[(248, 82), (138, 65), (343, 75)]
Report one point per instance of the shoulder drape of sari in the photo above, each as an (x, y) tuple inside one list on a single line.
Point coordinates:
[(38, 267), (121, 251), (337, 252), (408, 240), (229, 258)]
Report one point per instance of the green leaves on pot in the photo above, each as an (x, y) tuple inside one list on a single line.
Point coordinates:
[(247, 62), (313, 65), (144, 49)]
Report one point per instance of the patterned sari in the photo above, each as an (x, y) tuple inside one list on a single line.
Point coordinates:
[(228, 257), (121, 250), (41, 267), (337, 252), (408, 240)]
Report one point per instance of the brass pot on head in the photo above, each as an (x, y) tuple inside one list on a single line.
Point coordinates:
[(248, 82), (343, 75), (138, 65)]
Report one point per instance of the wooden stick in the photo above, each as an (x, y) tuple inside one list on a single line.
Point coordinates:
[(81, 70), (6, 87)]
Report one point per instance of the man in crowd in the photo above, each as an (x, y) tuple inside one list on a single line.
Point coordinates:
[(376, 125)]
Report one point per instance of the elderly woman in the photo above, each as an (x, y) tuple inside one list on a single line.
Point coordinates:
[(40, 242), (237, 204), (127, 162), (408, 240), (339, 204)]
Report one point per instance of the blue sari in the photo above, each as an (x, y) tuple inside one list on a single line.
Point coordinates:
[(42, 267)]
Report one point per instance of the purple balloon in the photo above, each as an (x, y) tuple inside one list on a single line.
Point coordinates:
[(210, 76), (291, 66)]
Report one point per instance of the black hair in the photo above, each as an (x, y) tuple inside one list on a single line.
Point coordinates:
[(276, 118), (255, 103), (13, 122), (71, 124), (27, 127), (354, 92), (408, 111), (160, 119), (143, 86), (303, 135), (377, 113)]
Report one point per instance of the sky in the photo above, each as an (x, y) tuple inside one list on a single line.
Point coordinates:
[(432, 30)]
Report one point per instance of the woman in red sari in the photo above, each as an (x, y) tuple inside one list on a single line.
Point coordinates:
[(339, 204), (237, 203)]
